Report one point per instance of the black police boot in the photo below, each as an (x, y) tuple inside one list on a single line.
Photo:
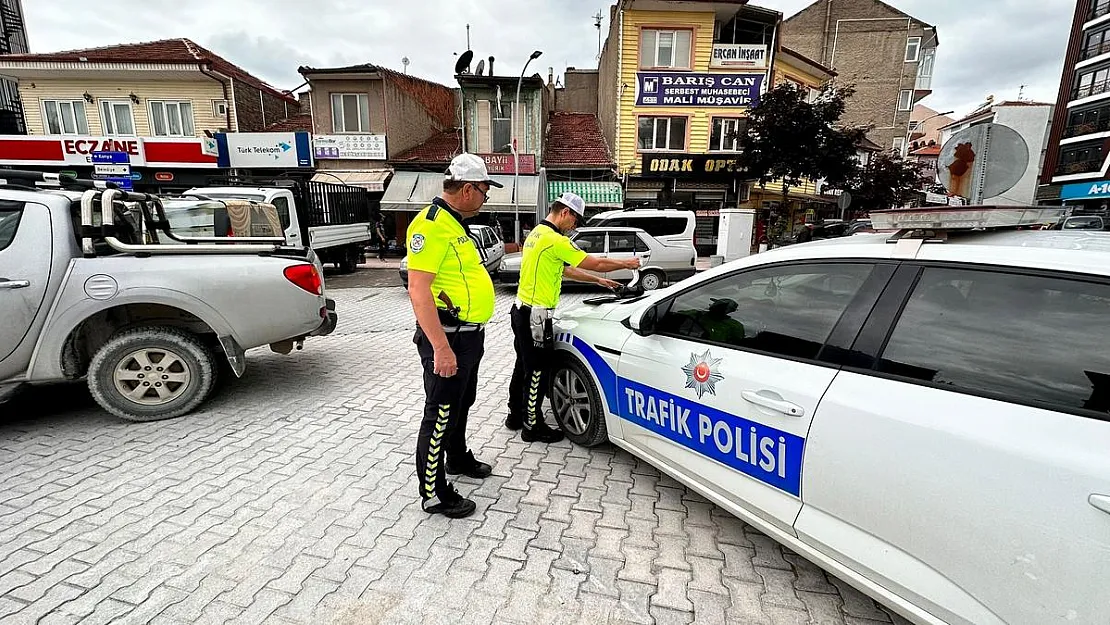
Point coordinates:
[(469, 466), (514, 422), (542, 433), (451, 505)]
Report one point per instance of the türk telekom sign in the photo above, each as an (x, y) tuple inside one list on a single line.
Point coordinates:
[(74, 150)]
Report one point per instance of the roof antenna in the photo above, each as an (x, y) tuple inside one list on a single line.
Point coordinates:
[(468, 36), (1021, 92), (405, 62)]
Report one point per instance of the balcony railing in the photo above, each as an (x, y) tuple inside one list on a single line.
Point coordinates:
[(1090, 90), (1094, 50), (923, 83), (1100, 8), (1088, 128), (1090, 166)]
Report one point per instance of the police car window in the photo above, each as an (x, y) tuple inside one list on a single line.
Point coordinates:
[(591, 243), (622, 242), (787, 311), (1023, 339), (10, 213)]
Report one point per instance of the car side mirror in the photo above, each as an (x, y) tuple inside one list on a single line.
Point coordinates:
[(644, 323)]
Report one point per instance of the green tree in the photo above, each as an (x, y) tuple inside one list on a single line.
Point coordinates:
[(887, 181), (793, 140)]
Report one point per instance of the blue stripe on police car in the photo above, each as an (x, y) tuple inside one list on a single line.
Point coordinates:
[(765, 453)]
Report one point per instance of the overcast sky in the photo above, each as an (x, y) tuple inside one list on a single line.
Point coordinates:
[(993, 48)]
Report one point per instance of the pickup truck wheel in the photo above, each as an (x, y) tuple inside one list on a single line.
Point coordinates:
[(152, 373), (577, 404)]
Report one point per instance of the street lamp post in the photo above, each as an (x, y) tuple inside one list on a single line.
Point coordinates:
[(516, 155)]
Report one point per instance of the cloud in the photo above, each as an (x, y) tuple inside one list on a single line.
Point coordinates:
[(992, 48)]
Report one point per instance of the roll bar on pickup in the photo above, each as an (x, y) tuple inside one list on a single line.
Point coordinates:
[(153, 218)]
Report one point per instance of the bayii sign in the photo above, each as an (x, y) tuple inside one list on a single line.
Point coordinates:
[(698, 90)]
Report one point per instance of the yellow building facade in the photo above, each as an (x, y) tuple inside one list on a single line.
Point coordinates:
[(676, 81)]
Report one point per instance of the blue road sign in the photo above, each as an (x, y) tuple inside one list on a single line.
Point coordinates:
[(123, 183), (110, 158)]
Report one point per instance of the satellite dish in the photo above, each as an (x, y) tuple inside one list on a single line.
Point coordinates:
[(983, 161), (481, 68), (462, 66)]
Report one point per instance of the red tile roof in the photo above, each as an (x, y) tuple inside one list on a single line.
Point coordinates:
[(295, 123), (162, 51), (439, 149), (437, 100), (575, 140)]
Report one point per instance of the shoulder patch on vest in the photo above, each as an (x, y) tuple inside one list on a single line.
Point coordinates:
[(417, 243)]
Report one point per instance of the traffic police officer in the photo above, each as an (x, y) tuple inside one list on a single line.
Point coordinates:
[(548, 257), (452, 296)]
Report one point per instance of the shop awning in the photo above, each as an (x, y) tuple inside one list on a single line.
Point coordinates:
[(372, 179), (412, 191), (597, 194)]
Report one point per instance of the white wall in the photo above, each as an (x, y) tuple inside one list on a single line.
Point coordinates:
[(1032, 123)]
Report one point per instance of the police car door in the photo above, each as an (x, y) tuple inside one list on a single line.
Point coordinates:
[(724, 387)]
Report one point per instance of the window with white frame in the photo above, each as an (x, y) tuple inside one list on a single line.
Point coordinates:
[(899, 145), (350, 112), (914, 126), (913, 49), (726, 132), (219, 108), (665, 48), (905, 100), (65, 117), (116, 117), (661, 133), (171, 119)]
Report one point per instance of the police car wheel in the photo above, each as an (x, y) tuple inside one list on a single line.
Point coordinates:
[(576, 403)]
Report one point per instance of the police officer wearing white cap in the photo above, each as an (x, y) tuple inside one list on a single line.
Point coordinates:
[(453, 298), (548, 256)]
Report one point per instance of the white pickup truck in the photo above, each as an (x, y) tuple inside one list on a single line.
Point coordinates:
[(95, 285), (331, 219)]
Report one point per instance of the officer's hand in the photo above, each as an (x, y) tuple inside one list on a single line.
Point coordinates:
[(445, 363), (609, 284), (632, 263)]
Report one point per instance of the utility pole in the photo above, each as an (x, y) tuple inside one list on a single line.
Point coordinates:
[(597, 25)]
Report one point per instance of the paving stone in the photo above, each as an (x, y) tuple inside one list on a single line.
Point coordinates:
[(290, 497)]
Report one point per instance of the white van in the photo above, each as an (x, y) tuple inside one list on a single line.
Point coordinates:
[(672, 227)]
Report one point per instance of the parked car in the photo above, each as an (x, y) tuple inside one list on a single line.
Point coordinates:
[(1083, 222), (89, 291), (490, 246), (671, 227), (660, 263), (927, 421)]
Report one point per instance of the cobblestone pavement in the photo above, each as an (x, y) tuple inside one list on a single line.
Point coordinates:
[(290, 498)]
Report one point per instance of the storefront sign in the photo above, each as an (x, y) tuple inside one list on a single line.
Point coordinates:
[(691, 166), (739, 56), (284, 150), (357, 147), (59, 150), (698, 90), (503, 163), (1085, 190)]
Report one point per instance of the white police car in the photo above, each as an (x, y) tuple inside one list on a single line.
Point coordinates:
[(924, 414)]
